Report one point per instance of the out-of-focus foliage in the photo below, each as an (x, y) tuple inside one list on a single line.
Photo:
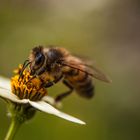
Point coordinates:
[(102, 30)]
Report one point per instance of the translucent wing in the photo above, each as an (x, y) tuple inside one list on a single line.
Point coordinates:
[(98, 74), (89, 69)]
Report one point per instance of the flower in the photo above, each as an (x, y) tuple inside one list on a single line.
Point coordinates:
[(30, 94)]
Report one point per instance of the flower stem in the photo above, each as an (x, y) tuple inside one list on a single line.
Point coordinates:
[(15, 124)]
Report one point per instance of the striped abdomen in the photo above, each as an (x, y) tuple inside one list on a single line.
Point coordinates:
[(81, 82)]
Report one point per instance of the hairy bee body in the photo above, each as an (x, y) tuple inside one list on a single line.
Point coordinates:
[(82, 83), (53, 64), (80, 80)]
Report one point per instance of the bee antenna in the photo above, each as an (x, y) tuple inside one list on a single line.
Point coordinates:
[(25, 64)]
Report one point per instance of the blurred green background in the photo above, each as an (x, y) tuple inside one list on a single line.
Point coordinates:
[(105, 31)]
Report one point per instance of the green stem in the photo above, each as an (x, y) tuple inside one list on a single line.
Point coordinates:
[(19, 114), (15, 124)]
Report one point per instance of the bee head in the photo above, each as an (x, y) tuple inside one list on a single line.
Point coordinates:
[(36, 59), (45, 59)]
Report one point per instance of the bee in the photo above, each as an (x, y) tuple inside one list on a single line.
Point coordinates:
[(52, 64)]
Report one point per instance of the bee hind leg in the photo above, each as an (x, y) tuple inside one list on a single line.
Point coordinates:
[(65, 94)]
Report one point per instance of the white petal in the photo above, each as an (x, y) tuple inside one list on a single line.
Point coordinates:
[(51, 101), (48, 99), (45, 107), (6, 94), (5, 83)]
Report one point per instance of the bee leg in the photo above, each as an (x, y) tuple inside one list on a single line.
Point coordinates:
[(51, 83), (63, 95)]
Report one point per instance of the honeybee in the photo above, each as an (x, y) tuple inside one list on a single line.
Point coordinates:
[(52, 64)]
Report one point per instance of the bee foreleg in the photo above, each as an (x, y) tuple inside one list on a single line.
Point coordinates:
[(63, 95)]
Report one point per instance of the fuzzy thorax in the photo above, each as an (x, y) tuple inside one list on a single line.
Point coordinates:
[(32, 90)]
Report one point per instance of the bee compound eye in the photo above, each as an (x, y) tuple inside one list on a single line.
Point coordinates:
[(39, 59)]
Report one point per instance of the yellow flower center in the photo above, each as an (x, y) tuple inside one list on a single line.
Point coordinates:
[(32, 90)]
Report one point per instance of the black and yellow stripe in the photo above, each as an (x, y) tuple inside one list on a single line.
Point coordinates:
[(82, 82)]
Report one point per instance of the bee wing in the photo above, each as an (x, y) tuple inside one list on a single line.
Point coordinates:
[(91, 70), (98, 74), (85, 60)]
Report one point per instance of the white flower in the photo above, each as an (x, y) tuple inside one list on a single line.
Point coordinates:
[(44, 104)]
